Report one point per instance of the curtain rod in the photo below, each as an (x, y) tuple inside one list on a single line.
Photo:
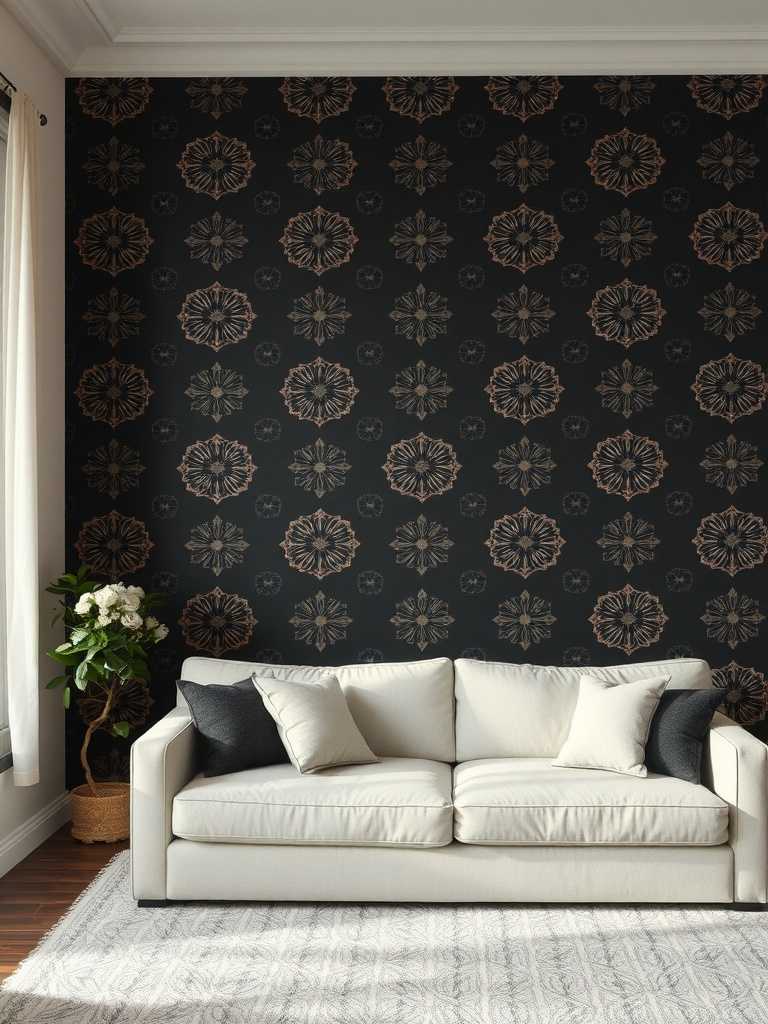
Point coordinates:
[(12, 87)]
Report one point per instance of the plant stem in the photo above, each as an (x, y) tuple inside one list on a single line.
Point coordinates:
[(92, 727)]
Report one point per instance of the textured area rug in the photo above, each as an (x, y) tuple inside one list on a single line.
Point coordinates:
[(108, 962)]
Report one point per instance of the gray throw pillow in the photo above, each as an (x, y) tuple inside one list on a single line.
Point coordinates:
[(679, 728), (234, 729)]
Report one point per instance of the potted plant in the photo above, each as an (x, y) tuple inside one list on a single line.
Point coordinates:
[(109, 632)]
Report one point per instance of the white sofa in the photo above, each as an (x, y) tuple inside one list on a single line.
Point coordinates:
[(463, 807)]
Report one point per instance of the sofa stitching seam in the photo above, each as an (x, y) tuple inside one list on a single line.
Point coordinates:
[(595, 807), (343, 807), (281, 841), (584, 842)]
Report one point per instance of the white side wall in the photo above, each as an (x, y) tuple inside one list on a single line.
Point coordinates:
[(28, 815)]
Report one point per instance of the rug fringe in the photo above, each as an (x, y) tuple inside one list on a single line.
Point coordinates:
[(109, 866)]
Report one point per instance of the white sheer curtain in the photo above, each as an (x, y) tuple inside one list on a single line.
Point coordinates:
[(19, 440)]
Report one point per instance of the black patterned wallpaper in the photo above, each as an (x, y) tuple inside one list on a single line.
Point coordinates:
[(367, 369)]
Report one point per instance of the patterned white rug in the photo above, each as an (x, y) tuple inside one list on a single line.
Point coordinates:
[(108, 962)]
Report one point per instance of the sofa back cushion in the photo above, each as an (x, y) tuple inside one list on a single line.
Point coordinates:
[(507, 710), (403, 709)]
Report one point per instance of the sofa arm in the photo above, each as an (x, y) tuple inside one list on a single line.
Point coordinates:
[(162, 762), (738, 764)]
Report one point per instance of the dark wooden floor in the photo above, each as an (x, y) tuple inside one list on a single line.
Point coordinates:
[(35, 894)]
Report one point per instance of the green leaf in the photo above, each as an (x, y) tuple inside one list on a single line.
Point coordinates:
[(64, 659), (81, 675), (114, 662), (67, 696), (121, 729), (56, 681), (80, 648), (72, 659)]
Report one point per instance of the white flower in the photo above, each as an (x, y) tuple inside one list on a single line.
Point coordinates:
[(138, 591), (104, 619), (84, 604), (131, 620), (105, 597), (154, 629), (131, 602)]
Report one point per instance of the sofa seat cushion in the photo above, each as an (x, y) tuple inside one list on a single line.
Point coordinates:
[(524, 801), (395, 802)]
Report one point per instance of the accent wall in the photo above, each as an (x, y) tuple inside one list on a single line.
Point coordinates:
[(365, 369)]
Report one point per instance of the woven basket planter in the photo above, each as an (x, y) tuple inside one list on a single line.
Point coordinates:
[(102, 818)]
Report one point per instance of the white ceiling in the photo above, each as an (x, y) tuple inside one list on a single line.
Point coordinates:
[(273, 37)]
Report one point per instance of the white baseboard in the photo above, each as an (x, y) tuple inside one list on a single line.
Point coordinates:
[(31, 833)]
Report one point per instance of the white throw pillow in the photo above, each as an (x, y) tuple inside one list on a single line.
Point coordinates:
[(314, 723), (610, 725)]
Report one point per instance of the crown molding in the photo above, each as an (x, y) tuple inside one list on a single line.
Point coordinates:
[(99, 16), (189, 34), (33, 18), (366, 53), (81, 38), (63, 30)]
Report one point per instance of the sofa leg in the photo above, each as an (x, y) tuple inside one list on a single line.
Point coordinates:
[(153, 903)]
